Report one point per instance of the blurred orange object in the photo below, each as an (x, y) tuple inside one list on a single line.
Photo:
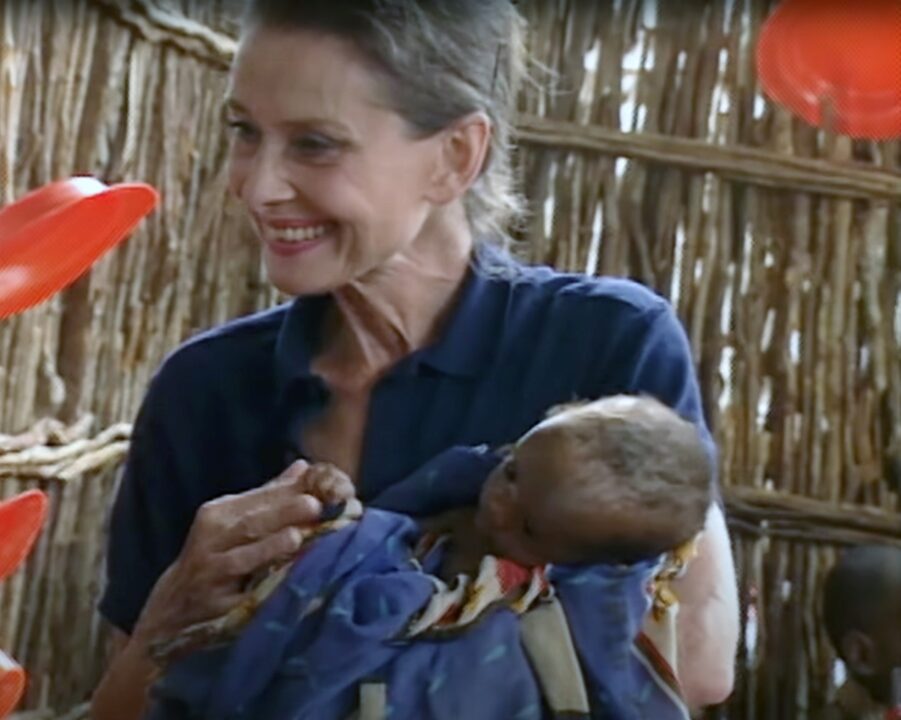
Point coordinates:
[(52, 235), (21, 520), (836, 64), (12, 685)]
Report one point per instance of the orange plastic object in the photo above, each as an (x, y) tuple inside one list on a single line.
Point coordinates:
[(12, 685), (21, 520), (52, 235), (836, 64)]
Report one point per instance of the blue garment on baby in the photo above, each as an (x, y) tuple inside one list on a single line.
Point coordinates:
[(337, 621)]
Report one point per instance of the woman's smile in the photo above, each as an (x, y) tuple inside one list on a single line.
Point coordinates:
[(289, 238)]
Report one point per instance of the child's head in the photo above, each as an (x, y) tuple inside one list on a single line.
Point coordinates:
[(862, 614), (616, 480)]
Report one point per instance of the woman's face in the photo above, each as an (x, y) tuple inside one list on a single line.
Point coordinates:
[(334, 181)]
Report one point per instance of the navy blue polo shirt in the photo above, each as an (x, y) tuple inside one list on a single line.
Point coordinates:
[(225, 411)]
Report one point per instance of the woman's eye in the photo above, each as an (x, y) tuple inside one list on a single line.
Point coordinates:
[(315, 145), (241, 130)]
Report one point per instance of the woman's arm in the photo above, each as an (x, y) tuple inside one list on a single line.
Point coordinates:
[(707, 625), (123, 691)]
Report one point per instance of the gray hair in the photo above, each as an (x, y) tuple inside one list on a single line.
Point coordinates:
[(441, 60)]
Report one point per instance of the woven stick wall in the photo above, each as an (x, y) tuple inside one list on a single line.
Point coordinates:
[(654, 157), (46, 613)]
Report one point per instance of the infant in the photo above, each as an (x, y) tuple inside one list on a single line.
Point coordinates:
[(617, 480)]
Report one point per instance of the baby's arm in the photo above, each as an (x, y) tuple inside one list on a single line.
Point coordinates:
[(467, 546), (448, 522)]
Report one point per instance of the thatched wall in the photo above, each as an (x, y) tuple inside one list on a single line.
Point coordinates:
[(654, 157)]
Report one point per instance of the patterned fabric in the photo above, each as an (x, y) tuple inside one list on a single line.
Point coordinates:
[(499, 583), (656, 644)]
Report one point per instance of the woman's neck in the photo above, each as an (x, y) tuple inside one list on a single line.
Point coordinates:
[(397, 309)]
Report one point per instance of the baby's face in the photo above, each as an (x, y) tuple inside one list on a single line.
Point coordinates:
[(519, 508)]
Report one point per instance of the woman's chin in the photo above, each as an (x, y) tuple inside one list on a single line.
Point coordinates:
[(311, 280), (296, 286)]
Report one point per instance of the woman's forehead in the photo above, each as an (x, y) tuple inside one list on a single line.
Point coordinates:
[(298, 71)]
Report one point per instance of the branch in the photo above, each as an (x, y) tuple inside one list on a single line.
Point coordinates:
[(794, 517), (165, 28), (744, 164), (44, 460)]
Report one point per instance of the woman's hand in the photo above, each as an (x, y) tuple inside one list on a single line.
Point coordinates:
[(231, 538)]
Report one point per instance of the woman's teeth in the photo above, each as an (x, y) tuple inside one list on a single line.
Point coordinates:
[(296, 235)]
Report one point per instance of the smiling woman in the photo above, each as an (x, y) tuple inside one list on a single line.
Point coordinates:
[(316, 152), (347, 121), (434, 63), (370, 147)]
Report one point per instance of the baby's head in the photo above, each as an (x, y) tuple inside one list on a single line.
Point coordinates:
[(616, 480)]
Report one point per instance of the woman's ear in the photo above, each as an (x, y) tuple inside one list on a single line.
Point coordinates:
[(859, 653), (462, 158)]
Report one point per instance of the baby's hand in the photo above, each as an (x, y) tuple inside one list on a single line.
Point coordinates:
[(327, 484)]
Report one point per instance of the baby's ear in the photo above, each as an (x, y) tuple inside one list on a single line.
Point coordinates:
[(859, 653), (504, 506)]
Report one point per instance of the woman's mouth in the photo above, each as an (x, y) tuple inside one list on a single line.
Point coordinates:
[(299, 234), (286, 241)]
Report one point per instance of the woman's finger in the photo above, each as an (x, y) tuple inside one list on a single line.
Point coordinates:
[(243, 560), (241, 519)]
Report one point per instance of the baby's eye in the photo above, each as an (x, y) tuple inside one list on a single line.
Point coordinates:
[(510, 470)]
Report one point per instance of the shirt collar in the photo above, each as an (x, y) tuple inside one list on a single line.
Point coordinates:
[(465, 348), (471, 336), (297, 340)]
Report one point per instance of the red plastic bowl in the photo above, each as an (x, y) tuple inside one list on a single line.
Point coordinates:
[(21, 520), (836, 64), (12, 685), (52, 235)]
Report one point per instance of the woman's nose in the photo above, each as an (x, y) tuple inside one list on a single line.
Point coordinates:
[(265, 181)]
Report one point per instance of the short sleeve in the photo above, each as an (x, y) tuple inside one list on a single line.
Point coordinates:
[(654, 358), (151, 513)]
